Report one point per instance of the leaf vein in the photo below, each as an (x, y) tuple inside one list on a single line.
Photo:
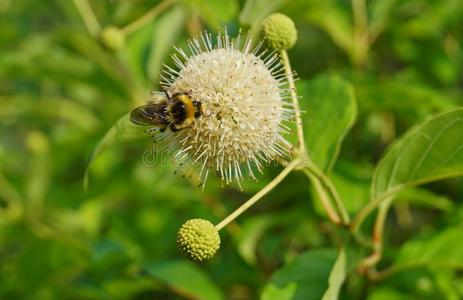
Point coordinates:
[(430, 146)]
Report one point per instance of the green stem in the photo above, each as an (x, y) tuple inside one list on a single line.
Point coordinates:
[(361, 35), (330, 188), (310, 169), (378, 232), (324, 198), (258, 196), (147, 17), (87, 14), (367, 209), (292, 90)]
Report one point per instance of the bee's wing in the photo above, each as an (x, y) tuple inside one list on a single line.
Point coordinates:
[(149, 114), (158, 97)]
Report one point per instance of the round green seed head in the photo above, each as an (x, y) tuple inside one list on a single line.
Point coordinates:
[(112, 38), (280, 31), (198, 239)]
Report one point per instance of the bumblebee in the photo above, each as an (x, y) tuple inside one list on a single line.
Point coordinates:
[(176, 112)]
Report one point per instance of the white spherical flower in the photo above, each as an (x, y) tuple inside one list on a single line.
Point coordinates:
[(244, 96)]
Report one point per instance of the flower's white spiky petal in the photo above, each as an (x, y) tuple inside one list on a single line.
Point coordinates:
[(244, 94)]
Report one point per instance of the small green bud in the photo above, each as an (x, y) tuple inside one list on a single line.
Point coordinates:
[(280, 31), (198, 239), (112, 38), (37, 142)]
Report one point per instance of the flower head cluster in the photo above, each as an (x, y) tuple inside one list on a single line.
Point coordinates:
[(280, 31), (198, 239), (244, 97)]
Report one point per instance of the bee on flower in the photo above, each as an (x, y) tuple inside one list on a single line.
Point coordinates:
[(225, 107)]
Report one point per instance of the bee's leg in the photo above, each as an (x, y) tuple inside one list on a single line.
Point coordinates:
[(152, 132), (162, 128), (173, 127), (155, 131)]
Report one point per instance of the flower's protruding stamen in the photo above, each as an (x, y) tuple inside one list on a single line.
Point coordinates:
[(256, 50), (207, 40), (238, 41)]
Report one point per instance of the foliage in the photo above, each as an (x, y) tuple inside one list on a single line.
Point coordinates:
[(380, 86)]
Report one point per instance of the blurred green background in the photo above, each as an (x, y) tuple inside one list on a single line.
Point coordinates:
[(61, 89)]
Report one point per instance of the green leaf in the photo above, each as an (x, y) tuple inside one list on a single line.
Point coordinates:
[(316, 274), (335, 21), (251, 232), (127, 288), (214, 12), (38, 181), (330, 111), (185, 278), (425, 198), (225, 11), (337, 277), (254, 11), (348, 257), (429, 152), (381, 11), (138, 45), (123, 130), (445, 281), (387, 293), (441, 250), (166, 31), (273, 292), (304, 278)]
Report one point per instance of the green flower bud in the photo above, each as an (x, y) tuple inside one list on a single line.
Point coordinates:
[(280, 31), (198, 239), (37, 142), (112, 38)]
